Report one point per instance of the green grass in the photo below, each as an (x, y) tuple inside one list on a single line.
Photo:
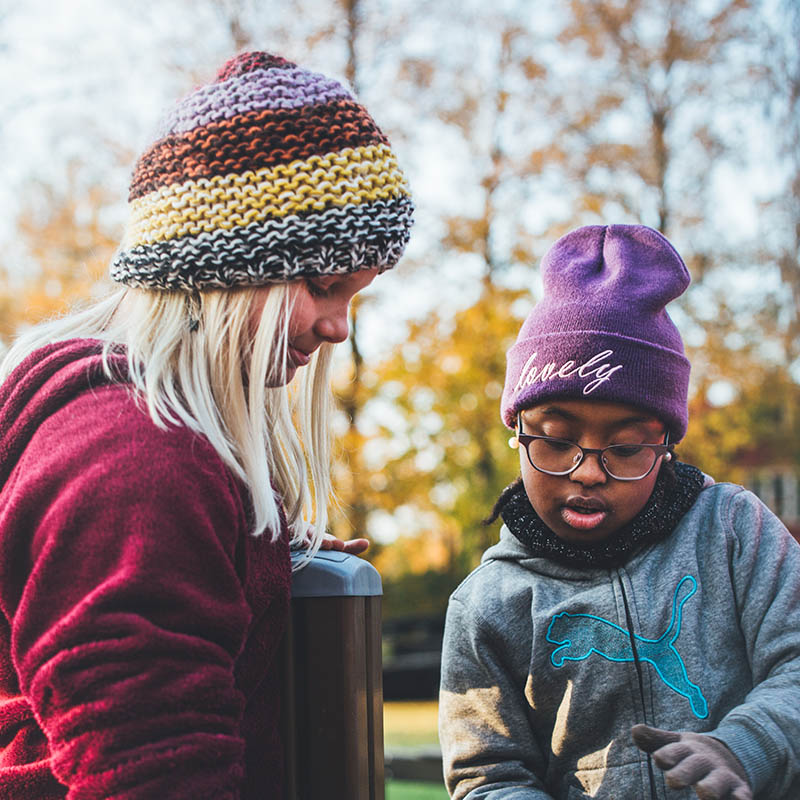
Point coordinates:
[(408, 790), (410, 724)]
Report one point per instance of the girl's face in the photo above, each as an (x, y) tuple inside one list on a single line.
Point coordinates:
[(588, 505), (320, 306)]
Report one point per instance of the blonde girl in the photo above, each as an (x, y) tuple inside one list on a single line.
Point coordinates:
[(158, 459)]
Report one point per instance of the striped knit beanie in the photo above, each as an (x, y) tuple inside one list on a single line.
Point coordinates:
[(268, 174)]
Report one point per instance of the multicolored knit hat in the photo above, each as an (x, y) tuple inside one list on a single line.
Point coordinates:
[(601, 330), (268, 174)]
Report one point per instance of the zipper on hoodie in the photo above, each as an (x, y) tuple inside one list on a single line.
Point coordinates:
[(640, 679)]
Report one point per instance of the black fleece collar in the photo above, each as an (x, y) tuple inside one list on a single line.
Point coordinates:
[(672, 497)]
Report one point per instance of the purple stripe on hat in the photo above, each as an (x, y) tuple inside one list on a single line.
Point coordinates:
[(267, 89)]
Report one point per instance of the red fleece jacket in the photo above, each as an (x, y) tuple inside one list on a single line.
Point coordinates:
[(139, 617)]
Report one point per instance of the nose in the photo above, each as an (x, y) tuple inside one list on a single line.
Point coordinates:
[(589, 473), (334, 326)]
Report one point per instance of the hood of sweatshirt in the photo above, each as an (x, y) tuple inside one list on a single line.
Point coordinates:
[(509, 548), (42, 384)]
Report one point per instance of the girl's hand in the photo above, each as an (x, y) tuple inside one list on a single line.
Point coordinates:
[(697, 760), (353, 546)]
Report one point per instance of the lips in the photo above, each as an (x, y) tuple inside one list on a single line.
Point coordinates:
[(585, 504), (298, 357), (584, 513)]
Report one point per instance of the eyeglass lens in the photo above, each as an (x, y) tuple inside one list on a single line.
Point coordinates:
[(620, 461)]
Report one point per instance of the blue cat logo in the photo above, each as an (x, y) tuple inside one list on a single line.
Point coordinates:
[(580, 635)]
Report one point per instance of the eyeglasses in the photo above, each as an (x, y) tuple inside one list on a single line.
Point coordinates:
[(624, 462)]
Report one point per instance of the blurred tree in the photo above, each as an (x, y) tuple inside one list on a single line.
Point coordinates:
[(69, 243), (751, 349), (644, 120), (305, 27), (757, 429), (474, 109), (782, 98), (438, 460), (517, 123), (349, 389), (439, 457), (625, 114), (671, 105)]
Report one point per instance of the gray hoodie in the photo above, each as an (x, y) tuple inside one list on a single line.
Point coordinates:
[(546, 668)]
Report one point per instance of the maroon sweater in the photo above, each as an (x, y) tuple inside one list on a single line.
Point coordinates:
[(139, 618)]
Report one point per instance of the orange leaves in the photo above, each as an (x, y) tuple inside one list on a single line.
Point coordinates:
[(440, 452), (69, 247)]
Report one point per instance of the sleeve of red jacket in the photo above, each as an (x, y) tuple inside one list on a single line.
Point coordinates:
[(133, 613)]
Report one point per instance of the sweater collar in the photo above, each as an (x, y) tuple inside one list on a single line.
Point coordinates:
[(672, 497)]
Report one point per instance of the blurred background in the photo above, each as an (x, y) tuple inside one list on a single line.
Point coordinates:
[(515, 121)]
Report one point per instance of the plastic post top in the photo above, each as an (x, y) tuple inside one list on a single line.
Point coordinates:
[(335, 574)]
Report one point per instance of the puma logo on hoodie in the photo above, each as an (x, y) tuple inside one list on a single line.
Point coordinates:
[(578, 636)]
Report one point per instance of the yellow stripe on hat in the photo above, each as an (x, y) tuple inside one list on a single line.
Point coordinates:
[(347, 177)]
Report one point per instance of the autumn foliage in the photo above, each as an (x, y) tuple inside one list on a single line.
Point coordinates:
[(516, 128)]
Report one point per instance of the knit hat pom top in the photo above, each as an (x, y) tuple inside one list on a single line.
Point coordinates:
[(270, 173)]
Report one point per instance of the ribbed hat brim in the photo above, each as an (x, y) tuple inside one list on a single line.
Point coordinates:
[(332, 241), (598, 366)]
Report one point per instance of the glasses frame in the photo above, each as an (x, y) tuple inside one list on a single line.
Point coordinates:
[(525, 439)]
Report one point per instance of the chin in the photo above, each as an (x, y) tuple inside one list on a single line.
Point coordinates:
[(276, 383), (573, 536), (578, 535)]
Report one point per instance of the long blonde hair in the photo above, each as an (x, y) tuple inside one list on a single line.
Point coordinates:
[(201, 360)]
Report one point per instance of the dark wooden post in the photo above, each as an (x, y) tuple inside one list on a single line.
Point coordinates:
[(333, 687)]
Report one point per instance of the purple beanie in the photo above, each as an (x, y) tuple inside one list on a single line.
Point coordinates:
[(601, 330)]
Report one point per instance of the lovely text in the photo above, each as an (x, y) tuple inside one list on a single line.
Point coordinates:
[(596, 366)]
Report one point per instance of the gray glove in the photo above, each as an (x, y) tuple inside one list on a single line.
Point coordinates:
[(697, 760)]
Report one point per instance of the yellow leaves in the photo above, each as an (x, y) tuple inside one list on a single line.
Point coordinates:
[(593, 203), (551, 155), (8, 314), (69, 247), (417, 554), (462, 114), (444, 453), (533, 70), (758, 427), (465, 234)]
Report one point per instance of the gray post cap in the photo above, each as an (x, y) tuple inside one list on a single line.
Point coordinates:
[(332, 573)]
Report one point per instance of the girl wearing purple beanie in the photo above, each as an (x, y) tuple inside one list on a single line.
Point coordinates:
[(636, 631), (156, 467)]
